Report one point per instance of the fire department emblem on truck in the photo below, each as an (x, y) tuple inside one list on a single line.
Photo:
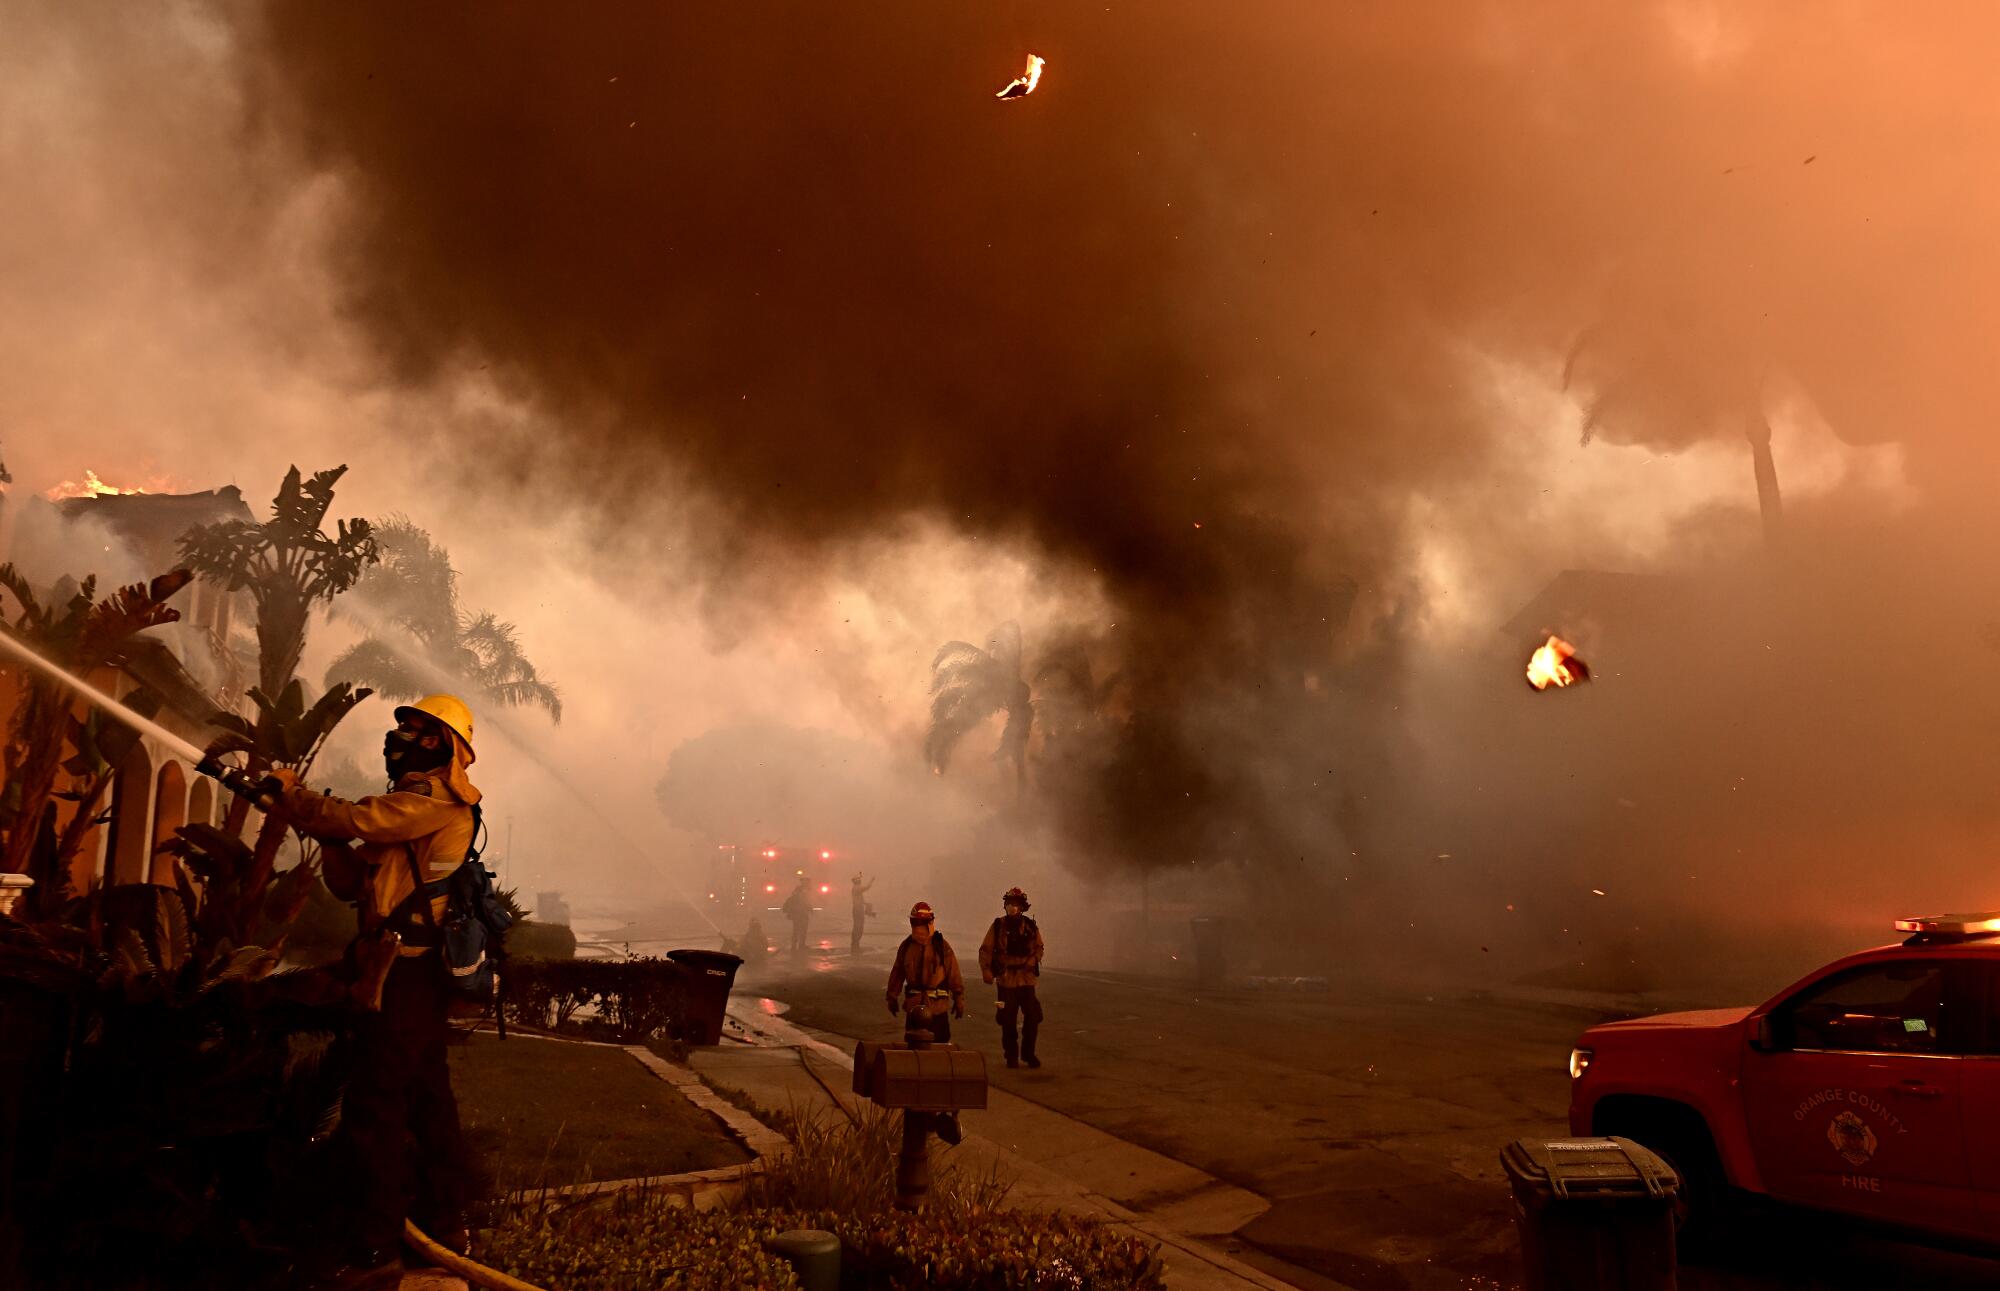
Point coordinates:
[(1852, 1138)]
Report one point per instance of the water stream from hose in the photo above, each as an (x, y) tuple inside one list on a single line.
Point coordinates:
[(98, 698)]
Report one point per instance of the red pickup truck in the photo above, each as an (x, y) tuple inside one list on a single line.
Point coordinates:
[(1870, 1088)]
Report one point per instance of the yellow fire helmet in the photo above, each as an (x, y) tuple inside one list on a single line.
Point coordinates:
[(449, 710)]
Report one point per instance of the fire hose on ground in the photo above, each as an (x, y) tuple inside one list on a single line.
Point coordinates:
[(452, 1262)]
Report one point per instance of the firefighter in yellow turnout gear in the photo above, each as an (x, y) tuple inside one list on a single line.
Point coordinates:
[(1011, 956), (400, 1086)]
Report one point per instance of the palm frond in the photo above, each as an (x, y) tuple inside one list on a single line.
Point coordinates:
[(412, 585), (1017, 730), (375, 663), (956, 654), (526, 694), (956, 712)]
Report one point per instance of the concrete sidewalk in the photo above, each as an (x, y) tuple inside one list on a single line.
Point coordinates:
[(1058, 1163)]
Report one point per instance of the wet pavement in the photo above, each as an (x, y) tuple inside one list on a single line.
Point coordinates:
[(1370, 1118)]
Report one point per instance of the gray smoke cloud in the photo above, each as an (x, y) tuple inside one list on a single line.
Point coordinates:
[(1255, 350)]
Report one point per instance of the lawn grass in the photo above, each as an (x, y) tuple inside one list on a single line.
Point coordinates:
[(544, 1113)]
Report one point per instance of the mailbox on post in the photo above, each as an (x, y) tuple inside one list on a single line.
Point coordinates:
[(928, 1082), (940, 1078)]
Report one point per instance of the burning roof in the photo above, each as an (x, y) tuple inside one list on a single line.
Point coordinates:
[(151, 524)]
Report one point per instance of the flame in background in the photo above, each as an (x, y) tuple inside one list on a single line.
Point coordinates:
[(1556, 664), (1024, 84), (91, 486)]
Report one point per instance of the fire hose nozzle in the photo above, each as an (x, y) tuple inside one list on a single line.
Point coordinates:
[(264, 793)]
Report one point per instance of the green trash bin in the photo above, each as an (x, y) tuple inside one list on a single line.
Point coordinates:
[(1594, 1214)]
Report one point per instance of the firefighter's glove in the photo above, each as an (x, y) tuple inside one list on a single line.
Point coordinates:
[(285, 776), (892, 1006), (986, 978), (958, 1008)]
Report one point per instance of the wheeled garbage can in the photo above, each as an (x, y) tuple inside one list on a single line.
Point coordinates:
[(1595, 1214), (708, 976)]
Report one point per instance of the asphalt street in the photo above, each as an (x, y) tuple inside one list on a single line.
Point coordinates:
[(1370, 1117)]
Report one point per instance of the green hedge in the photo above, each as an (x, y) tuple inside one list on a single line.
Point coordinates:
[(632, 1000)]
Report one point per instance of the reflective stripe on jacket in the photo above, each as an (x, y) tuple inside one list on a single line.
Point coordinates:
[(925, 967)]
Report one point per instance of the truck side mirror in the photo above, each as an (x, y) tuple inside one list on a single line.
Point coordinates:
[(1763, 1035)]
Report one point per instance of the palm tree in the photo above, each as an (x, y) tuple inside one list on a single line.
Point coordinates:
[(288, 562), (414, 590), (969, 685)]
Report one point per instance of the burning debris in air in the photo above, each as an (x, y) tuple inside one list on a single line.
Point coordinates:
[(1556, 664), (1024, 84)]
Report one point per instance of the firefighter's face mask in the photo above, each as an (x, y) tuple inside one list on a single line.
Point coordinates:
[(921, 929), (416, 745)]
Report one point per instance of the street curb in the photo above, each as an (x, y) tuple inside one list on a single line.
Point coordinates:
[(760, 1138)]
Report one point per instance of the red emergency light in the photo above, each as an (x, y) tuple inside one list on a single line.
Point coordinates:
[(770, 887), (825, 887)]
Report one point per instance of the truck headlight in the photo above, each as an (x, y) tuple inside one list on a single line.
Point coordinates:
[(1579, 1062)]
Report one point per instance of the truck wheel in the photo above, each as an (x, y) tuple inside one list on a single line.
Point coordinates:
[(1702, 1215)]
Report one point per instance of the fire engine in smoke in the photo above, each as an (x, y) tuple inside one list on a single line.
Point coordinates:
[(743, 878)]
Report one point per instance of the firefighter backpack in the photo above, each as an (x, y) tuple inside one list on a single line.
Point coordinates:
[(471, 937)]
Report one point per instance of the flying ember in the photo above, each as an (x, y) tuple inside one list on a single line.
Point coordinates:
[(1024, 85), (1556, 664)]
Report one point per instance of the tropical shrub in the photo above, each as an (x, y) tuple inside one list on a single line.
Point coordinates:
[(198, 1089)]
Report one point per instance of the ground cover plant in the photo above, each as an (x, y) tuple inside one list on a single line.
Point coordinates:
[(836, 1179)]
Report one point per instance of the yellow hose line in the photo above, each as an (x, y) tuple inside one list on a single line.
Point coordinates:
[(452, 1262)]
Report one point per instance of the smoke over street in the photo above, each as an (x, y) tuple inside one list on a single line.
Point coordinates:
[(1149, 484)]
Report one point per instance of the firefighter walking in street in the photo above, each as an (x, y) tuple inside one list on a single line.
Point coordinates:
[(924, 980), (400, 1126), (925, 983), (1011, 956)]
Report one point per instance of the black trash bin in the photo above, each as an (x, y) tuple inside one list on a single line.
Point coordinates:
[(1595, 1214), (1210, 964), (710, 974)]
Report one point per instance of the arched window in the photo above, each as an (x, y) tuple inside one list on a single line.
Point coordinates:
[(201, 802), (125, 851), (169, 814)]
